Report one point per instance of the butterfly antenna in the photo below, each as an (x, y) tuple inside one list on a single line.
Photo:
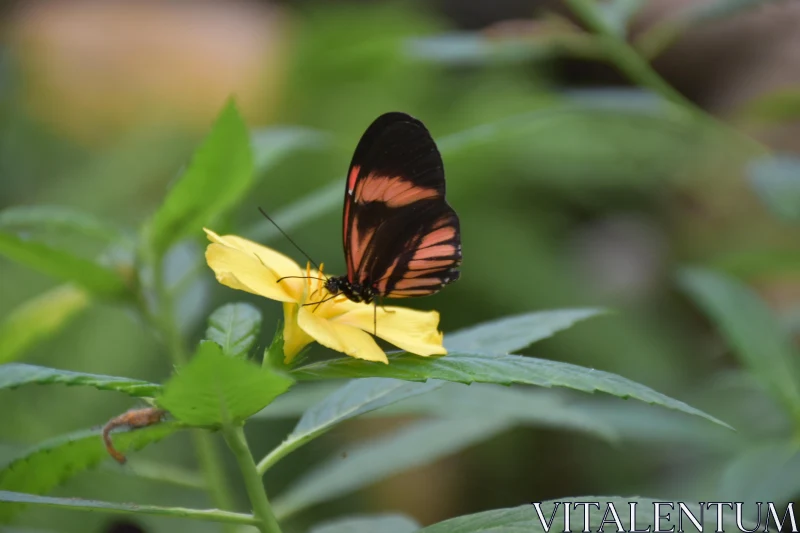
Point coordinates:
[(291, 241)]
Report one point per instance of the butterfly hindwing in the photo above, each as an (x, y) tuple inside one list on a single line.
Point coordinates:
[(400, 235), (429, 254)]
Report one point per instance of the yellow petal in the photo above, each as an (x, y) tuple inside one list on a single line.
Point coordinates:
[(411, 330), (340, 337), (245, 265), (275, 260), (294, 338)]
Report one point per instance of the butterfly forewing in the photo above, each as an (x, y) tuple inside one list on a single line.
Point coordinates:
[(400, 236)]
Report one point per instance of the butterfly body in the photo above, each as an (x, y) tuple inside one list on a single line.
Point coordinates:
[(401, 238), (353, 291)]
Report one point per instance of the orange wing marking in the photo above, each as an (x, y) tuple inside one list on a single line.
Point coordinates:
[(358, 243), (429, 264), (412, 292), (438, 235), (384, 281), (431, 252), (425, 273), (351, 179), (416, 283), (394, 191)]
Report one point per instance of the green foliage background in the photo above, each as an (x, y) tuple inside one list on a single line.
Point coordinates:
[(630, 199)]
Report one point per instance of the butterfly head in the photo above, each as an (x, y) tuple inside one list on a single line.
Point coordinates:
[(355, 292)]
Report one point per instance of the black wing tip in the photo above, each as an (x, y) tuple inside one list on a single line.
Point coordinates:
[(395, 116), (379, 127), (391, 118), (454, 275)]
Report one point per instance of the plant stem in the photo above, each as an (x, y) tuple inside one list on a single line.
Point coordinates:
[(207, 454), (638, 70), (625, 57), (283, 449), (234, 436)]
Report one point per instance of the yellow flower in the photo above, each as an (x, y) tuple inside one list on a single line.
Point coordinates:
[(339, 323)]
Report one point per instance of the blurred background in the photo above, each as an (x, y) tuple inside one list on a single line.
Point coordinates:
[(575, 187)]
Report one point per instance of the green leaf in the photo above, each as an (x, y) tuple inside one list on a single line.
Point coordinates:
[(59, 218), (219, 174), (14, 375), (526, 519), (513, 333), (776, 179), (637, 422), (751, 329), (274, 355), (39, 470), (356, 398), (386, 523), (477, 406), (416, 444), (302, 397), (63, 265), (235, 328), (214, 389), (160, 472), (521, 518), (768, 472), (39, 318), (521, 405), (501, 369), (141, 468), (210, 515)]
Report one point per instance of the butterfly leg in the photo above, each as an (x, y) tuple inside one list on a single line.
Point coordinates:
[(375, 315), (294, 277), (317, 304), (384, 308)]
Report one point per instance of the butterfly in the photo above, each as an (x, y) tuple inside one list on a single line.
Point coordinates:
[(401, 238)]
